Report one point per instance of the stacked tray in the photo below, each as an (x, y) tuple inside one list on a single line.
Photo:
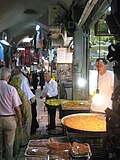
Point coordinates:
[(52, 148), (38, 143), (41, 152), (37, 150), (36, 158), (59, 148), (80, 151)]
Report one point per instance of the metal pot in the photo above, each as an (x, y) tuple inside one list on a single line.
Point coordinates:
[(94, 138), (94, 122)]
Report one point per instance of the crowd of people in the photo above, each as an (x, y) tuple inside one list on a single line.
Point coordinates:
[(18, 116), (17, 112)]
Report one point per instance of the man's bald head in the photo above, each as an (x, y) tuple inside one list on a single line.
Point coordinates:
[(47, 76)]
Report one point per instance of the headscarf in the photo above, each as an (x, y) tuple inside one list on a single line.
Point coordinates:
[(16, 82), (25, 107)]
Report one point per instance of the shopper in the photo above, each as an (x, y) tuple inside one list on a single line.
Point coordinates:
[(50, 91), (35, 123), (30, 97), (22, 137), (25, 83), (9, 109), (42, 80), (34, 79)]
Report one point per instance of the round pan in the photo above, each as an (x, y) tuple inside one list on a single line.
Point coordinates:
[(87, 121)]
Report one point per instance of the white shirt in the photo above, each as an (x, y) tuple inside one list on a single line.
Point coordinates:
[(105, 86), (9, 98), (51, 89), (25, 86)]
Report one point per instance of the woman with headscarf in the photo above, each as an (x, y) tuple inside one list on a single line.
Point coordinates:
[(22, 137)]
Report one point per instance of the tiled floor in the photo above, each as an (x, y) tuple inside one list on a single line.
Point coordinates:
[(42, 118)]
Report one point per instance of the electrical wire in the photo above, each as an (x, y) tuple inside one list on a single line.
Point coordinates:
[(97, 90)]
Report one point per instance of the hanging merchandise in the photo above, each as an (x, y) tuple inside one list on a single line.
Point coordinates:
[(27, 56), (37, 40), (40, 38), (1, 53)]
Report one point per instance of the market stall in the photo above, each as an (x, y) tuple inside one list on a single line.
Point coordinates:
[(73, 106), (67, 107)]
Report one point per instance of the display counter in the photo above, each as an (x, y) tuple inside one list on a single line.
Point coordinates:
[(73, 106)]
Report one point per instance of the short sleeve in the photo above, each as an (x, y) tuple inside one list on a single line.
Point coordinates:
[(16, 101)]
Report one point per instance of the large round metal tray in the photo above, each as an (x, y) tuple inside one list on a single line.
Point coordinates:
[(53, 103), (86, 122)]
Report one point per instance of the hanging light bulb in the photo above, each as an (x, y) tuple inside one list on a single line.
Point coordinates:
[(98, 99)]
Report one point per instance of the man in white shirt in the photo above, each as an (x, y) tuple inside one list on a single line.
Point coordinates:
[(105, 86), (9, 108), (50, 91)]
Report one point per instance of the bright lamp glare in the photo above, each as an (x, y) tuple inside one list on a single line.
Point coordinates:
[(109, 9), (27, 39), (98, 99), (37, 27), (81, 82)]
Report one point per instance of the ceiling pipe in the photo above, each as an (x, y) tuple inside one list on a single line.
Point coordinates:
[(87, 10)]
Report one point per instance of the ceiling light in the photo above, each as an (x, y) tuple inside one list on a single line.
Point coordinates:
[(27, 39), (4, 42), (20, 49), (37, 27)]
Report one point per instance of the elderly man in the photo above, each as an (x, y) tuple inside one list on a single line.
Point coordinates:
[(9, 108), (50, 92), (105, 86)]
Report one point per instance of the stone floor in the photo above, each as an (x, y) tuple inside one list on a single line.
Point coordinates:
[(42, 118)]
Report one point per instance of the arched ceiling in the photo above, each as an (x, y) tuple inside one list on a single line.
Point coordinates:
[(18, 24)]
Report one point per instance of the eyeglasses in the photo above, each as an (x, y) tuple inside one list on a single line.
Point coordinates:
[(100, 66)]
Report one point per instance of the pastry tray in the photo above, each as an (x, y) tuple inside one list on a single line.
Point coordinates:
[(59, 143), (86, 155), (36, 151), (75, 105), (59, 154), (38, 143), (36, 158)]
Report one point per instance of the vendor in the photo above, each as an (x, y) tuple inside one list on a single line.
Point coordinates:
[(50, 91), (105, 87)]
